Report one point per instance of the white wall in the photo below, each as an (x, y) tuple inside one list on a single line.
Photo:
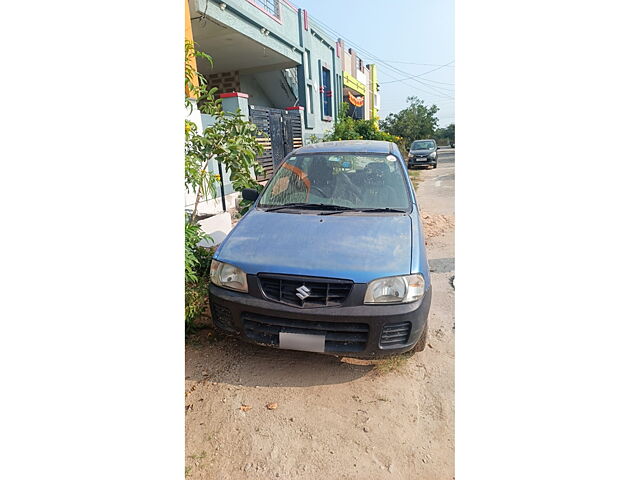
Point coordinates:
[(210, 205)]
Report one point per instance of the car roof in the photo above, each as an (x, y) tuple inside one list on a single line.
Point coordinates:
[(423, 140), (347, 146)]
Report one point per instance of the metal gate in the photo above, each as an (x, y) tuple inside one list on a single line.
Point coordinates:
[(279, 132)]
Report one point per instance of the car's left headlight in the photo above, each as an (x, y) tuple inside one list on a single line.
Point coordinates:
[(228, 276), (432, 155), (401, 289)]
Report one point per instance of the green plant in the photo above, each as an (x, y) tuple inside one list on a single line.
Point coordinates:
[(446, 136), (197, 261), (199, 456), (392, 363), (231, 140), (349, 128), (195, 84), (414, 122)]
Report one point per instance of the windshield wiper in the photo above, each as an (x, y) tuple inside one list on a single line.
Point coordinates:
[(340, 209), (385, 209), (309, 206)]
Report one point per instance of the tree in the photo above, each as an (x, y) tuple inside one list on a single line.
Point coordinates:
[(230, 140), (414, 122), (446, 135), (349, 128)]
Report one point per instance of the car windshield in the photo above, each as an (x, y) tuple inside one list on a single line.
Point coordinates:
[(423, 145), (355, 181)]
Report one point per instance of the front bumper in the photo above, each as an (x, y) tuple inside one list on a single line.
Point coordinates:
[(422, 161), (240, 314)]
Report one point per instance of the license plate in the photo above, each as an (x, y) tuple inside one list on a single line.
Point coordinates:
[(301, 341)]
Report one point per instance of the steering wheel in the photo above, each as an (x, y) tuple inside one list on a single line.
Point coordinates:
[(313, 187)]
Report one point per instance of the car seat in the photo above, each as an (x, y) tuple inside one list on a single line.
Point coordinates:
[(378, 192), (321, 175)]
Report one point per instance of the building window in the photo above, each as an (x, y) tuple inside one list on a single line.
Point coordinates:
[(310, 98), (326, 93), (272, 7), (307, 58)]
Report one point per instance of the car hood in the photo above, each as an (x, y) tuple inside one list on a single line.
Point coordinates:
[(354, 247), (422, 152)]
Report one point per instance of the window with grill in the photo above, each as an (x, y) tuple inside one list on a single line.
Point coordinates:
[(272, 7)]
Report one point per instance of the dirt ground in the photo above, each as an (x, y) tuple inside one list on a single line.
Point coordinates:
[(328, 417)]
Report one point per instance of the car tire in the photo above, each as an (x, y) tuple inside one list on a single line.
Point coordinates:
[(421, 344)]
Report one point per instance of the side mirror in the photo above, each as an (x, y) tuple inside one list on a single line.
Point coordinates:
[(250, 194), (438, 147)]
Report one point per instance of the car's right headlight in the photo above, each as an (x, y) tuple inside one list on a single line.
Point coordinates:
[(228, 276), (401, 289)]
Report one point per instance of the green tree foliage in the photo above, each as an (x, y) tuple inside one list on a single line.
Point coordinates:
[(415, 122), (196, 265), (349, 128), (230, 140), (446, 136)]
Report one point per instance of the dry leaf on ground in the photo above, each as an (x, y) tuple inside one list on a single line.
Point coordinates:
[(272, 405), (245, 408)]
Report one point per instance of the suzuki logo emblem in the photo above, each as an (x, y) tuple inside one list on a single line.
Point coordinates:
[(303, 292)]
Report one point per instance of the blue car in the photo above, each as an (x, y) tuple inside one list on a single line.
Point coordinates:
[(330, 257)]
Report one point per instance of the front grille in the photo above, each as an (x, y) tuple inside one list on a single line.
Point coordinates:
[(339, 337), (395, 334), (222, 317), (322, 292)]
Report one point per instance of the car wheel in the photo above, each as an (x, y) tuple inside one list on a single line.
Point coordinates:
[(421, 344), (436, 165)]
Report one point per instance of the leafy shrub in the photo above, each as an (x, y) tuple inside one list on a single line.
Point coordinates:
[(197, 261), (230, 140), (349, 128)]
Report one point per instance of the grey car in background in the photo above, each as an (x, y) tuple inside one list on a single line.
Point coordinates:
[(423, 153)]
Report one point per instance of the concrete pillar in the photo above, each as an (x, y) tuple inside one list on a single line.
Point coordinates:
[(234, 101)]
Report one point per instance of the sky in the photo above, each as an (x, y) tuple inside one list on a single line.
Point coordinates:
[(411, 37)]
